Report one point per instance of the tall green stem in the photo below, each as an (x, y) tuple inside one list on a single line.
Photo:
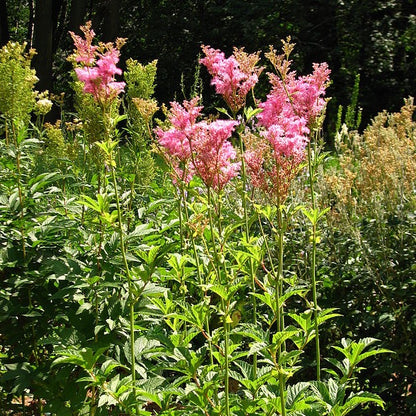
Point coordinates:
[(224, 305), (180, 200), (132, 300), (279, 280), (282, 392), (311, 170), (198, 269), (227, 364), (279, 309), (247, 236), (312, 167), (315, 303), (280, 254), (191, 236), (213, 239), (20, 190)]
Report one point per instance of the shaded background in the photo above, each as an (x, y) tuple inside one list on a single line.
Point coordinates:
[(373, 38), (376, 38)]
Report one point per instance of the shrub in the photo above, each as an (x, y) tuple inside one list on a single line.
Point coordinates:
[(370, 242)]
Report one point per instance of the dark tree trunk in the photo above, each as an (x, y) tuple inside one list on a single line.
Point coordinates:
[(59, 12), (111, 20), (77, 16), (107, 19), (4, 25), (42, 42)]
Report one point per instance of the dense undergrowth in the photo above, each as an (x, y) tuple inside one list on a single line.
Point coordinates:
[(166, 261)]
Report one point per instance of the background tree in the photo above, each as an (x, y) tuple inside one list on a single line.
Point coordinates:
[(374, 38), (77, 14), (4, 25), (43, 42)]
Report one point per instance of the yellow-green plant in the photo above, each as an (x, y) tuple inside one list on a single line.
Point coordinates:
[(140, 109), (17, 80), (377, 169)]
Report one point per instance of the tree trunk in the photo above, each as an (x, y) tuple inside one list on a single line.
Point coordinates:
[(4, 25), (42, 42), (77, 16), (59, 12), (111, 20)]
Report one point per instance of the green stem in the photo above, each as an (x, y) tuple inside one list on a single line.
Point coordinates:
[(132, 185), (247, 236), (315, 304), (273, 268), (213, 239), (225, 307), (279, 309), (20, 192), (282, 392), (227, 364), (311, 167), (180, 220), (99, 273), (6, 131), (198, 271), (279, 280), (93, 406), (130, 284), (34, 343), (23, 233)]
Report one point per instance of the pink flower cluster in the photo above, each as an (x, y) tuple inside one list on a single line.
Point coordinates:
[(233, 77), (99, 68), (295, 98), (288, 114), (213, 153), (177, 140), (199, 147), (276, 148), (272, 162), (85, 49)]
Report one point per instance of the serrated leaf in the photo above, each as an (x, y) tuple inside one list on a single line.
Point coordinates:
[(139, 231), (295, 393), (219, 290), (360, 398), (109, 365), (252, 331)]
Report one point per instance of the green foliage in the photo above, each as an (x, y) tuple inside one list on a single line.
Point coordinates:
[(17, 79), (90, 113), (128, 295), (332, 397), (141, 107), (352, 117), (369, 245), (140, 79)]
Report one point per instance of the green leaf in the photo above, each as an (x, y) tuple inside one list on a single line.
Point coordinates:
[(280, 337), (223, 111), (42, 180), (85, 357), (250, 112), (109, 365), (314, 215), (353, 352), (294, 394), (90, 203), (219, 290), (140, 231), (360, 398), (252, 331)]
